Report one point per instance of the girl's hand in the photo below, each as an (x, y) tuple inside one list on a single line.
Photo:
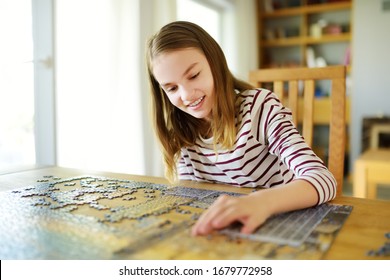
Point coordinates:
[(251, 210), (254, 209)]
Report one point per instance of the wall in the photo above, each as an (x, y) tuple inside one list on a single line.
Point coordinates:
[(239, 37), (370, 67)]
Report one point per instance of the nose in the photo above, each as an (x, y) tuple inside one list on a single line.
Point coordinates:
[(187, 94)]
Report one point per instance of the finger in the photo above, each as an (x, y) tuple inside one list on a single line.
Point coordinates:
[(236, 210), (250, 225), (227, 217), (227, 213), (204, 223)]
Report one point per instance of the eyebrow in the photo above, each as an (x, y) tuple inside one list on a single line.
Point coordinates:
[(184, 74)]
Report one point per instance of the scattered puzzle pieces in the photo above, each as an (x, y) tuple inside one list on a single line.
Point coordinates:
[(383, 251), (105, 218)]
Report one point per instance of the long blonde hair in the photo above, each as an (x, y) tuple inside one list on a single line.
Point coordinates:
[(174, 128)]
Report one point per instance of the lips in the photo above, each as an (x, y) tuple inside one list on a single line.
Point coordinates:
[(196, 102)]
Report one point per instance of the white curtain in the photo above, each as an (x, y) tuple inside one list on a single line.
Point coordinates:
[(103, 120)]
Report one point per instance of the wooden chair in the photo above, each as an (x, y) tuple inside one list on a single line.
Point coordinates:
[(292, 98)]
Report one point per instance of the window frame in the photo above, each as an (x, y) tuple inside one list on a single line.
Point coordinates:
[(44, 82)]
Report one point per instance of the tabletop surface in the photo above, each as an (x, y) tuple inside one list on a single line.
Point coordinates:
[(62, 213), (376, 155)]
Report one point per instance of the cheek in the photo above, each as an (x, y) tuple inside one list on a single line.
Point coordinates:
[(209, 83), (174, 99), (210, 87)]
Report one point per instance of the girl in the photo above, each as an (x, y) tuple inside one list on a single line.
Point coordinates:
[(215, 128)]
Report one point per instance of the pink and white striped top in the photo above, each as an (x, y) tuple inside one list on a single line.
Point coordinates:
[(268, 151)]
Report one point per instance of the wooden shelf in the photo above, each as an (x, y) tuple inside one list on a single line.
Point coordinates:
[(294, 41), (327, 38), (308, 9)]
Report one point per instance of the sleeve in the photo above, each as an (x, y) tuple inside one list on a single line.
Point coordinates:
[(185, 170), (276, 128)]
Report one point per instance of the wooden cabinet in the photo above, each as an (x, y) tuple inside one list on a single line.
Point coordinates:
[(302, 32)]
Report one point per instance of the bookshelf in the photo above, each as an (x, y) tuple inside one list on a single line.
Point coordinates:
[(303, 32)]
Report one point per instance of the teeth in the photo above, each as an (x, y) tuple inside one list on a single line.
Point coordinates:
[(196, 102)]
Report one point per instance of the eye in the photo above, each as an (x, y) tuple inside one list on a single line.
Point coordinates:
[(171, 89), (194, 76)]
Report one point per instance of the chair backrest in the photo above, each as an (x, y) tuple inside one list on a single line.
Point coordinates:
[(303, 108)]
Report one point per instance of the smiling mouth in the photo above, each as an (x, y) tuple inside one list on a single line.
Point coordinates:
[(193, 104)]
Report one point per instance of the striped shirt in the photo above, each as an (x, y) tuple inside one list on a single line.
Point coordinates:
[(268, 151)]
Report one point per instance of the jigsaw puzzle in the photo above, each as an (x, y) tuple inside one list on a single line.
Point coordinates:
[(105, 218)]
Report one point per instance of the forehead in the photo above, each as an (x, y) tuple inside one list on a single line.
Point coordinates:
[(173, 64)]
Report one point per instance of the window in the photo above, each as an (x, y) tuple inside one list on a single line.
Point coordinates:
[(209, 18), (27, 129), (17, 143)]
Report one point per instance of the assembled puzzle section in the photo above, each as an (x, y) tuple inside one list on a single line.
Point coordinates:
[(105, 218)]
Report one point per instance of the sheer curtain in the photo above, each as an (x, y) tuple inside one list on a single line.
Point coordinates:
[(102, 93)]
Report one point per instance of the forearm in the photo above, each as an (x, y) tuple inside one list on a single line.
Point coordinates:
[(295, 195)]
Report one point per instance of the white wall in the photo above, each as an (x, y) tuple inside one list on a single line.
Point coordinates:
[(370, 67), (239, 37)]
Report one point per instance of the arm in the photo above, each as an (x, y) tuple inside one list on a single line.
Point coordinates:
[(254, 209)]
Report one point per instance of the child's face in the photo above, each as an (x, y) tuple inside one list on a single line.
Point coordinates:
[(186, 78)]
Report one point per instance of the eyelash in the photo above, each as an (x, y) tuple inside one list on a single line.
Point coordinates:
[(171, 89), (194, 76)]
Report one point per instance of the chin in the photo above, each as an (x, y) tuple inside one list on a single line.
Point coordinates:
[(201, 116)]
